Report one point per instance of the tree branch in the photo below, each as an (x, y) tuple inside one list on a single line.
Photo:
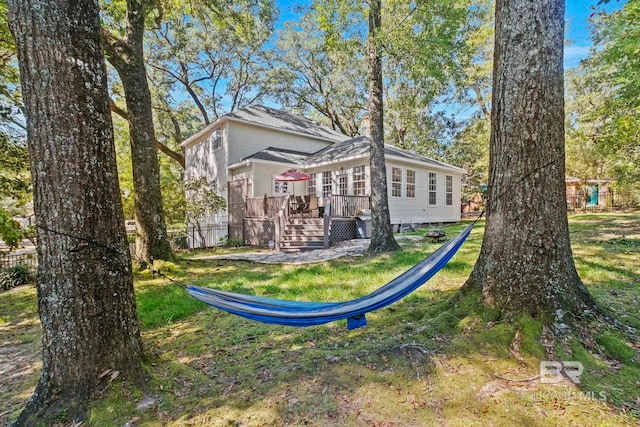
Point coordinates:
[(178, 157)]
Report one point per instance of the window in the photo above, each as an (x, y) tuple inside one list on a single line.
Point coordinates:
[(411, 183), (311, 185), (280, 187), (343, 185), (326, 184), (216, 139), (396, 182), (449, 190), (359, 186), (432, 188)]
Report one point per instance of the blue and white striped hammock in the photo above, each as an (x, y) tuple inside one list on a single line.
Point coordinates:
[(308, 313)]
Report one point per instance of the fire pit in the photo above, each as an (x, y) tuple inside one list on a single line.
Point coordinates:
[(435, 235)]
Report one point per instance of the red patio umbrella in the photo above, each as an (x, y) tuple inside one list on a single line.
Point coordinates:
[(293, 175)]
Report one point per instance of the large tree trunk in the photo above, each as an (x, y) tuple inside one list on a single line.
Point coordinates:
[(127, 57), (525, 264), (381, 234), (84, 281)]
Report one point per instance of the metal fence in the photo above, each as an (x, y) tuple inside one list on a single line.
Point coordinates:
[(602, 199), (13, 260), (207, 236)]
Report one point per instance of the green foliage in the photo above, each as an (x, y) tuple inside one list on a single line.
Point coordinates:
[(173, 192), (318, 65), (15, 181), (202, 200), (15, 188), (11, 119), (470, 150), (10, 231), (15, 276), (603, 138), (123, 159), (214, 59), (234, 243)]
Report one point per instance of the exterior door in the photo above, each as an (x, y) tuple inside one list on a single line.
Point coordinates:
[(593, 196)]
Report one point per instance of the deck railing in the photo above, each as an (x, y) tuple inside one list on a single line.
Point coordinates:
[(281, 220), (348, 206), (264, 207)]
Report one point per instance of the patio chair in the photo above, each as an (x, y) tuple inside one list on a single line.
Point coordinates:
[(300, 205), (312, 206)]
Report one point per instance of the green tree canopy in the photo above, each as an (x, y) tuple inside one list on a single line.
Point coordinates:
[(604, 103)]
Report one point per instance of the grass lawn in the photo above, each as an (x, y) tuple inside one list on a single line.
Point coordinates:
[(421, 362)]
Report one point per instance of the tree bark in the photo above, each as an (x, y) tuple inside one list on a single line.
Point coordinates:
[(86, 299), (382, 239), (127, 57), (526, 264)]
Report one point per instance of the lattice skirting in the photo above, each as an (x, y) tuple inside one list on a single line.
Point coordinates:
[(342, 229), (258, 231)]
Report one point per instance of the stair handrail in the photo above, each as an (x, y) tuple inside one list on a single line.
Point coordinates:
[(282, 217)]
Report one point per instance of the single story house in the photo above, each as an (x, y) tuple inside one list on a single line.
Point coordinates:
[(241, 153), (588, 194)]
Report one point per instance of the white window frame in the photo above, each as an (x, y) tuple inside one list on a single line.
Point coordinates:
[(448, 191), (359, 178), (342, 184), (327, 184), (410, 186), (396, 186), (432, 194), (216, 139), (312, 189), (280, 187)]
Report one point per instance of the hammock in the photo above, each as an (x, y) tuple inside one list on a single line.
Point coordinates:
[(307, 313)]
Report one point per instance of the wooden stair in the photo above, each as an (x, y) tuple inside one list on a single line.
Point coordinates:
[(303, 234)]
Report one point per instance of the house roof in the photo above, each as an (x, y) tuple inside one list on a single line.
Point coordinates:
[(274, 154), (361, 146), (276, 119), (342, 148), (573, 179)]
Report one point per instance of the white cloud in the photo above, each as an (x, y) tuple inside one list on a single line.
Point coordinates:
[(573, 54)]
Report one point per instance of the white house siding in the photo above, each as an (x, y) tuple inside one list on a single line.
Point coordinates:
[(202, 160), (263, 177), (245, 140), (417, 209)]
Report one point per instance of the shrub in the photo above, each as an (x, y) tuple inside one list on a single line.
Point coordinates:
[(15, 276)]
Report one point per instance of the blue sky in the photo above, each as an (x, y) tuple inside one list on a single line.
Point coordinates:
[(577, 30)]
